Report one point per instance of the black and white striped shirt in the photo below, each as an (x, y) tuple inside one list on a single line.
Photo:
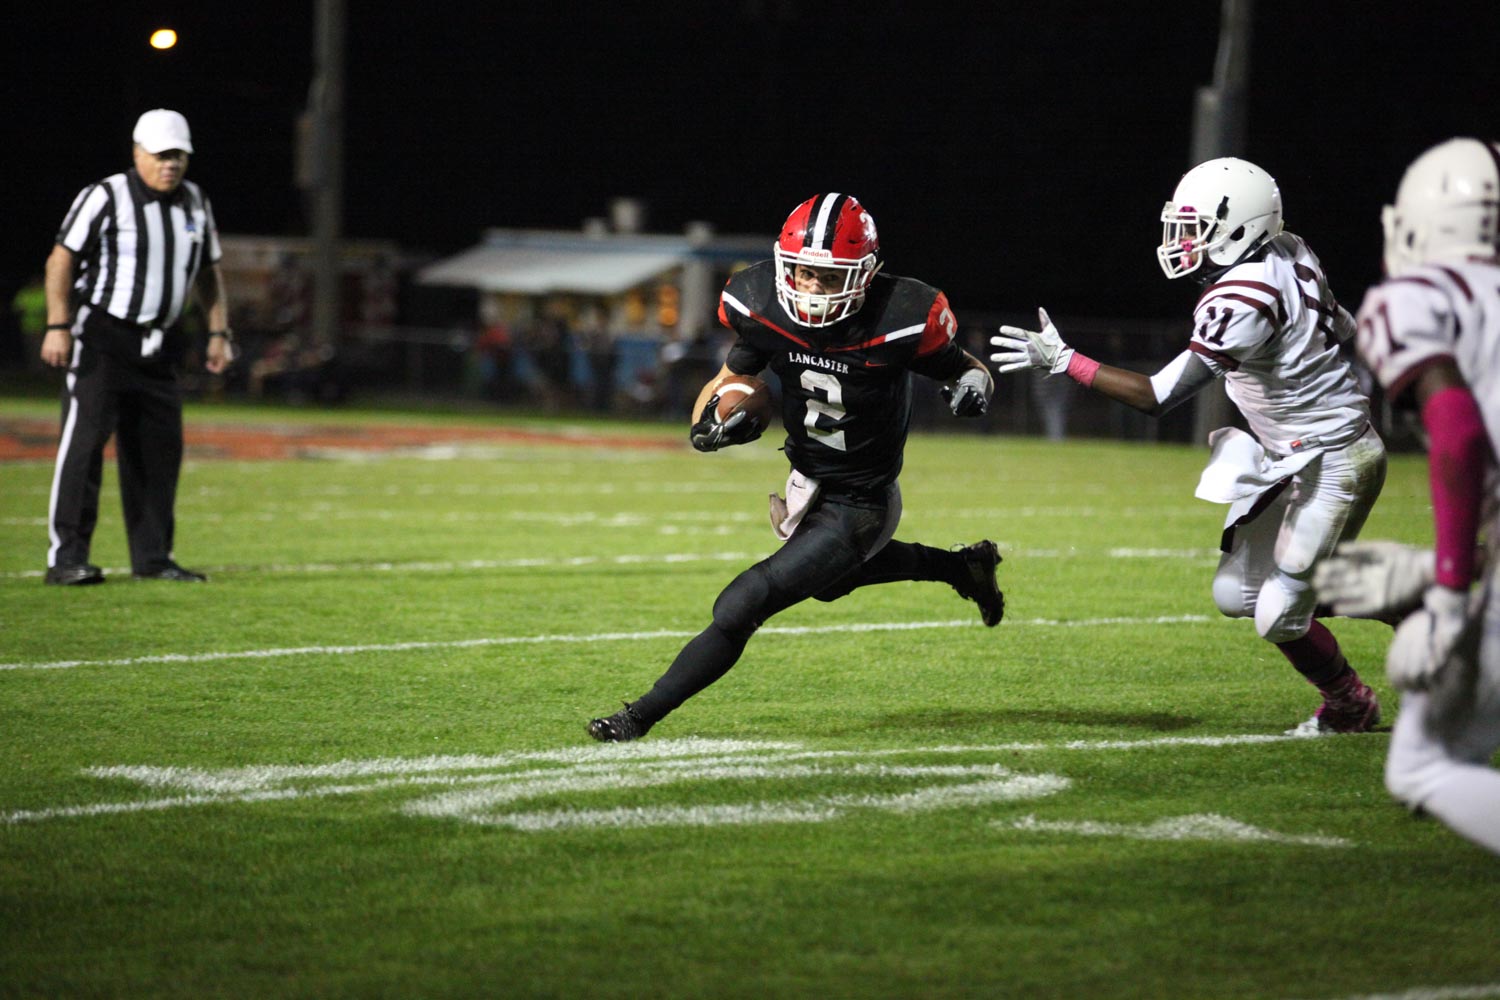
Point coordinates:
[(139, 251)]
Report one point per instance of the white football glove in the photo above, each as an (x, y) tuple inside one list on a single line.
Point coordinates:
[(1425, 642), (1042, 348), (1374, 579)]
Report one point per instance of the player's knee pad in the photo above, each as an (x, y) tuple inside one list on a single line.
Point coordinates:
[(1230, 596), (745, 603), (1284, 607)]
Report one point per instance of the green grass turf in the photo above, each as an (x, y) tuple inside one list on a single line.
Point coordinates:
[(530, 580)]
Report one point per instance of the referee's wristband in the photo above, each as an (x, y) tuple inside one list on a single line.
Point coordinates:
[(59, 326)]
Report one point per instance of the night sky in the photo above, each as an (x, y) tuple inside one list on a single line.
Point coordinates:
[(1012, 154)]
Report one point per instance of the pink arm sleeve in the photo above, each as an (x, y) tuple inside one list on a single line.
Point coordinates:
[(1457, 456)]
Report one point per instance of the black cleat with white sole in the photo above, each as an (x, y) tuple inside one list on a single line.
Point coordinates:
[(622, 727)]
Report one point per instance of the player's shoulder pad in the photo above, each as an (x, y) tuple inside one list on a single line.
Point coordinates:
[(1249, 290), (750, 290), (908, 295)]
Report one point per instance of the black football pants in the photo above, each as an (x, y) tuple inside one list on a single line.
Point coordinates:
[(141, 406), (824, 559)]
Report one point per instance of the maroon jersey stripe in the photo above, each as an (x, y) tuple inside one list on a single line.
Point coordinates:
[(1209, 352), (1458, 279)]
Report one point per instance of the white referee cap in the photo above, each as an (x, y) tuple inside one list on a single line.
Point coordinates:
[(160, 130)]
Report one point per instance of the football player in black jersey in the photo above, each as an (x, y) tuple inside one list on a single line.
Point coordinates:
[(843, 339)]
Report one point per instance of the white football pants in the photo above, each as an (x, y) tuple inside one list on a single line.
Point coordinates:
[(1267, 573), (1442, 744)]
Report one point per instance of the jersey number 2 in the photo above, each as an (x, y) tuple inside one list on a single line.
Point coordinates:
[(833, 409)]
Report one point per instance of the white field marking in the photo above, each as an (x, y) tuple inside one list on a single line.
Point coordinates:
[(539, 640), (480, 783), (566, 562), (1485, 991), (477, 805), (453, 566), (1203, 826), (819, 809)]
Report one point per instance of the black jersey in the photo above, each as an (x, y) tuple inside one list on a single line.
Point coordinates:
[(846, 387)]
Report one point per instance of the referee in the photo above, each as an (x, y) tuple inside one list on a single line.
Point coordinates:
[(131, 250)]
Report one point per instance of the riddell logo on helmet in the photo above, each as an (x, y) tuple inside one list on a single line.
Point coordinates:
[(818, 254)]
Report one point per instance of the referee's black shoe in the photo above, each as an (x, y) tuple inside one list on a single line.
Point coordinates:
[(173, 572), (80, 575)]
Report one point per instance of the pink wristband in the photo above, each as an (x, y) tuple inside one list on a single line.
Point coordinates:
[(1082, 370)]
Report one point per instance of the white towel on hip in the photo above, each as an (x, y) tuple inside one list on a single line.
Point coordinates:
[(786, 514)]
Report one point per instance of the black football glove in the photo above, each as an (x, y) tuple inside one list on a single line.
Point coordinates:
[(711, 434), (969, 395)]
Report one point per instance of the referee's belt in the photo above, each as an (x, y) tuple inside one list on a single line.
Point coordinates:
[(125, 324)]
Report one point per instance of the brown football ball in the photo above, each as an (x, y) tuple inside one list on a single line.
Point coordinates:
[(745, 392)]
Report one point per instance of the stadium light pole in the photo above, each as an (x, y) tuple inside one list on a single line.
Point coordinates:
[(325, 180), (1219, 129)]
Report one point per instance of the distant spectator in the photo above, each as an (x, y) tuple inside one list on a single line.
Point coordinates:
[(29, 308), (492, 351)]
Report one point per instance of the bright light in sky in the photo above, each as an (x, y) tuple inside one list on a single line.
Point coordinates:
[(163, 38)]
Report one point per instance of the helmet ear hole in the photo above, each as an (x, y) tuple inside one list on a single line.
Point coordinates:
[(1237, 235)]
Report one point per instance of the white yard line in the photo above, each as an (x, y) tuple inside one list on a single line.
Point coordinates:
[(565, 562), (538, 640)]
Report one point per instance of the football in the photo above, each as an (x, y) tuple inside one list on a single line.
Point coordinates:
[(748, 393)]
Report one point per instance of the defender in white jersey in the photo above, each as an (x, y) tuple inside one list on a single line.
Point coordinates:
[(1431, 334), (1268, 324)]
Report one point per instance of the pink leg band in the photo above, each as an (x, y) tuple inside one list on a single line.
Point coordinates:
[(1082, 370)]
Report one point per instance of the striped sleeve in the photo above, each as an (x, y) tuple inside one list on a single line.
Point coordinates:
[(81, 225), (215, 251), (1235, 317), (940, 329)]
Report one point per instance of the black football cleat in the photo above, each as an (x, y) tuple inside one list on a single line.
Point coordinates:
[(977, 581), (81, 575), (173, 572), (622, 727)]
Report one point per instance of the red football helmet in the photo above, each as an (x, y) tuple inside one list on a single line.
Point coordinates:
[(829, 232)]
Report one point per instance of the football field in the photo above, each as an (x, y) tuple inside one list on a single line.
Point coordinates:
[(354, 763)]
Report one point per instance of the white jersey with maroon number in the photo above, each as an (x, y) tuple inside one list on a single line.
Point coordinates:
[(1433, 313), (1406, 324), (1272, 328)]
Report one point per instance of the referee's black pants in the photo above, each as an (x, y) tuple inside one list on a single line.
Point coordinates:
[(141, 406)]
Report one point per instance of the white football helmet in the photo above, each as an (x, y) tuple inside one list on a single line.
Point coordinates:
[(1446, 207), (1223, 211)]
